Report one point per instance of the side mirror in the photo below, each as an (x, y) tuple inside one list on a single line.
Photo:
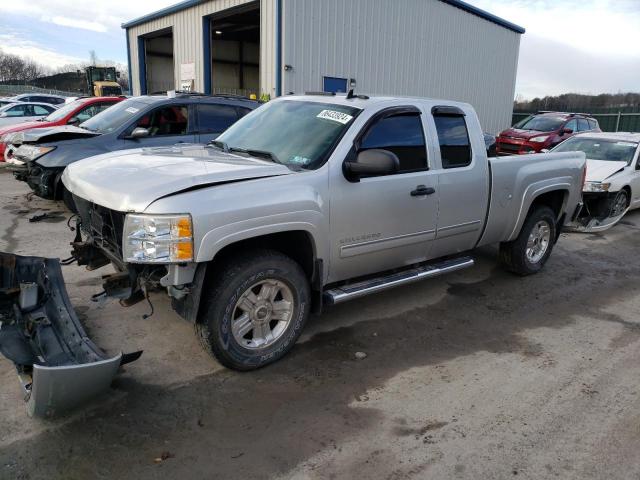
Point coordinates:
[(73, 121), (371, 163), (566, 131), (139, 132)]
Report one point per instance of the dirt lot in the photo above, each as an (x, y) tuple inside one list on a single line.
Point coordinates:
[(476, 375)]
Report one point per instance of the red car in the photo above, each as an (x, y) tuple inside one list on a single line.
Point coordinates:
[(544, 130), (73, 113)]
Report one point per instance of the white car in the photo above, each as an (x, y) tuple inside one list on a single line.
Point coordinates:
[(612, 183), (24, 112)]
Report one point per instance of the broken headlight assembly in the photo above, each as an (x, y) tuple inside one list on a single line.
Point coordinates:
[(596, 187), (157, 239), (32, 152)]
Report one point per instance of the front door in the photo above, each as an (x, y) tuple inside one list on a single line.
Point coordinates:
[(385, 222)]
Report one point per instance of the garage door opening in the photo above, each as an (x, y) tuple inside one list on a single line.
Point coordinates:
[(159, 64), (235, 51)]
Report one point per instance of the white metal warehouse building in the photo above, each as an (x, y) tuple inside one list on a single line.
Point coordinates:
[(429, 48)]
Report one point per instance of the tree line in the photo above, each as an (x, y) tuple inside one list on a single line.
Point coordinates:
[(580, 103)]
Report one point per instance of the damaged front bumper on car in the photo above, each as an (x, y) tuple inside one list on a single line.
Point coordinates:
[(59, 367), (596, 214), (40, 179)]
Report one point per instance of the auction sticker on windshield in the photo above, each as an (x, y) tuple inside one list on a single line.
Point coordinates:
[(339, 117)]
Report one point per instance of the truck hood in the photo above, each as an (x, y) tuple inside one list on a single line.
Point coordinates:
[(129, 181), (599, 170), (52, 134)]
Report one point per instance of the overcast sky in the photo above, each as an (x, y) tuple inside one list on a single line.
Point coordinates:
[(583, 46)]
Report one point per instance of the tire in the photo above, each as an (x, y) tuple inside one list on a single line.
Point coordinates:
[(524, 258), (229, 310), (620, 203), (61, 193)]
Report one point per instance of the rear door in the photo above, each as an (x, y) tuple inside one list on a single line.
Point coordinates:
[(167, 125), (213, 119), (384, 222), (463, 180)]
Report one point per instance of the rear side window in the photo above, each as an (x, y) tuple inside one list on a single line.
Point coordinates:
[(40, 110), (583, 125), (402, 135), (90, 111), (216, 118), (453, 136), (593, 124)]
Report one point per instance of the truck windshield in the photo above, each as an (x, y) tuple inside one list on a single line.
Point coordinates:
[(294, 133), (540, 123), (114, 117), (599, 149)]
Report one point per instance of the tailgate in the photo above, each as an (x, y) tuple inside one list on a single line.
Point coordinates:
[(59, 367)]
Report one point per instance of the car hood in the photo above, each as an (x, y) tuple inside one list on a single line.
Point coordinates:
[(599, 170), (52, 134), (129, 181), (523, 134), (24, 126)]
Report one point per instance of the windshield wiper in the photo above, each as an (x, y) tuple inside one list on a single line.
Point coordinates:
[(220, 144), (257, 153)]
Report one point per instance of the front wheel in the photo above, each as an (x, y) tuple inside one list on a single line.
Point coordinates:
[(256, 308), (528, 253)]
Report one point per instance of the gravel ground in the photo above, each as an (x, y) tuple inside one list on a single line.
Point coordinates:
[(479, 374)]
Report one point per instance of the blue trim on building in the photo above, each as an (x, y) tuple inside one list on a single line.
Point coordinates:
[(278, 48), (455, 3), (142, 66), (130, 92), (484, 14), (206, 50)]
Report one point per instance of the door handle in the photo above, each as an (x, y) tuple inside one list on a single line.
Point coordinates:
[(421, 191)]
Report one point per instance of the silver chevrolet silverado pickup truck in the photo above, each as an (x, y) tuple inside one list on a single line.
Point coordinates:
[(310, 201)]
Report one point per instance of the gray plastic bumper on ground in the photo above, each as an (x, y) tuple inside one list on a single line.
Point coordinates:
[(59, 367)]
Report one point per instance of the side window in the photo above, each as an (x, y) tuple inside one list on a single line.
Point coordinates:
[(402, 135), (216, 118), (40, 110), (572, 125), (16, 111), (593, 124), (90, 111), (453, 136), (583, 125), (165, 121)]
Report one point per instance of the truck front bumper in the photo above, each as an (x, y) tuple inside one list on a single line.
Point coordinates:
[(59, 367)]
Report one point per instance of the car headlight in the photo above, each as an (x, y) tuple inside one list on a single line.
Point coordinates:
[(596, 187), (158, 238), (539, 138), (32, 152)]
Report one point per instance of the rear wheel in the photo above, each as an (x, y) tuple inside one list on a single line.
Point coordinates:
[(256, 308), (528, 253)]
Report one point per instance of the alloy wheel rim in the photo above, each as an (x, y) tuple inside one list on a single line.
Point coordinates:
[(620, 205), (262, 314), (538, 242)]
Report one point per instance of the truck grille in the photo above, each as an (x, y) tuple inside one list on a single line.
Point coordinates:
[(103, 226)]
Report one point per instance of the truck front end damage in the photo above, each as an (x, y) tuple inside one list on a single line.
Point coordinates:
[(59, 367)]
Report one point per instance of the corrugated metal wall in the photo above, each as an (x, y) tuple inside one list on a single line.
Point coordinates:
[(403, 47), (188, 42)]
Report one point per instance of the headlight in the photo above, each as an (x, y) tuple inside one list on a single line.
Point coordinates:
[(31, 152), (539, 139), (596, 187), (158, 238)]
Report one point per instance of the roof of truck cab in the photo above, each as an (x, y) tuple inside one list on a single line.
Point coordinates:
[(372, 102), (620, 136)]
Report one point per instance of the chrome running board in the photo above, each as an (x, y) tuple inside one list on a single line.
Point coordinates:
[(374, 285)]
